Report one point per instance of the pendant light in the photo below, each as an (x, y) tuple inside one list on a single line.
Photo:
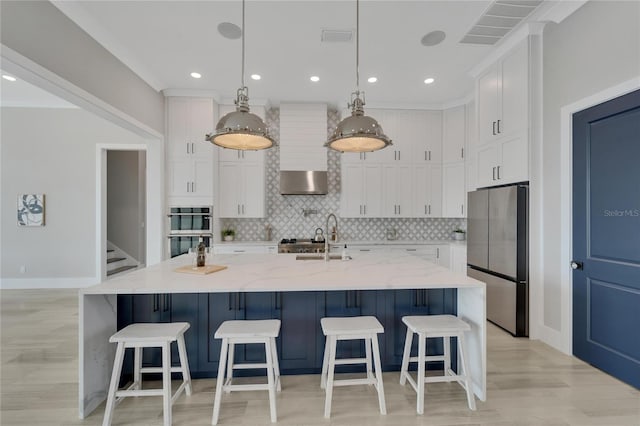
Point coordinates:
[(358, 133), (241, 129)]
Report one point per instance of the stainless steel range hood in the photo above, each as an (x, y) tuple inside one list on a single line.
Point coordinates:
[(296, 182)]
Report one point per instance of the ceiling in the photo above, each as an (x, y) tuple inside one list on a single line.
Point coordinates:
[(164, 41)]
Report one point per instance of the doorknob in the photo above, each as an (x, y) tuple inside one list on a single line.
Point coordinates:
[(576, 265)]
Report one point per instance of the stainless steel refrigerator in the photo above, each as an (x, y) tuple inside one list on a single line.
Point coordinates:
[(498, 253)]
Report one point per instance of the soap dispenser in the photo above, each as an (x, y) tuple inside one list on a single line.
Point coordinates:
[(345, 255)]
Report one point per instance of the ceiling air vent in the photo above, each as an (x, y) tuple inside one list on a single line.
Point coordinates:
[(336, 36), (498, 20)]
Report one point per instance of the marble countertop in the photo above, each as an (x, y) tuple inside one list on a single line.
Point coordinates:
[(352, 242), (282, 272)]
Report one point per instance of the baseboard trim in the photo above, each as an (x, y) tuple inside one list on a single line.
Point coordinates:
[(553, 338), (43, 283)]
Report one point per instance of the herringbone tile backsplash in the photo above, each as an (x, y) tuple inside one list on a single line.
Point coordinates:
[(285, 213)]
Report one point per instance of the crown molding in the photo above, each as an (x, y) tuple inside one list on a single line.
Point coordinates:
[(504, 46), (557, 11), (193, 93)]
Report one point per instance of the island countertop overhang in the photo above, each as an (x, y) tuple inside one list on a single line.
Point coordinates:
[(282, 272)]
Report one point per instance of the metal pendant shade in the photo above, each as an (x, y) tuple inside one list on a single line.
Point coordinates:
[(358, 133), (241, 129)]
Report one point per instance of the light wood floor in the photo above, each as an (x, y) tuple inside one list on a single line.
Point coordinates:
[(528, 384)]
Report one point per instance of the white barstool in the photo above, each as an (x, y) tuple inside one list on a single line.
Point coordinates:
[(241, 332), (351, 328), (430, 326), (149, 335)]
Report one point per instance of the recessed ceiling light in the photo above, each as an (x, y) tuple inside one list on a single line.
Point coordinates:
[(429, 80), (256, 76), (196, 75), (372, 79), (314, 78), (8, 77), (433, 38), (229, 30)]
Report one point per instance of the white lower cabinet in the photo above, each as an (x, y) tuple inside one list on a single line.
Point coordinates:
[(361, 194), (241, 192), (503, 162), (427, 191), (458, 262)]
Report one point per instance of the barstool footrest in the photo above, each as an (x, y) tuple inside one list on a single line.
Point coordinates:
[(147, 370), (343, 361), (246, 387), (349, 382), (249, 366), (139, 392), (429, 358)]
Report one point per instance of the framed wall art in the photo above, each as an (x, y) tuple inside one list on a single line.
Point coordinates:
[(30, 210)]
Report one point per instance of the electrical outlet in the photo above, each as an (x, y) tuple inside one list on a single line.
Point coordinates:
[(23, 269)]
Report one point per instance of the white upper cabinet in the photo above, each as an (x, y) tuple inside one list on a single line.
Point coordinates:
[(503, 116), (454, 192), (454, 134), (226, 154), (427, 148), (361, 194), (397, 190), (241, 190), (503, 96), (427, 191), (189, 120)]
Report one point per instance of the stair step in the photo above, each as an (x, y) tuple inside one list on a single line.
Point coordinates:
[(115, 259), (120, 269)]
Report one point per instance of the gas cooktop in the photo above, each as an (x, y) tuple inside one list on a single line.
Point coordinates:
[(295, 245)]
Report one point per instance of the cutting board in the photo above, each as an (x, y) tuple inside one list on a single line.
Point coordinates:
[(201, 270)]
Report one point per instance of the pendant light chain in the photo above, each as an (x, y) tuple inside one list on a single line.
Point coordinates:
[(242, 44), (357, 46)]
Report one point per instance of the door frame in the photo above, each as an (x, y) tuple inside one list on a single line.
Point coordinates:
[(563, 340)]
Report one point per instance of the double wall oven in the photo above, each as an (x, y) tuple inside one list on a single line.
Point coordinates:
[(187, 225)]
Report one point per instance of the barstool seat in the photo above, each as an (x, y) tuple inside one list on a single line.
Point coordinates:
[(435, 326), (351, 328), (242, 332), (148, 335)]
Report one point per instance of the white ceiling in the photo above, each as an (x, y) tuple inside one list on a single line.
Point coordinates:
[(164, 41)]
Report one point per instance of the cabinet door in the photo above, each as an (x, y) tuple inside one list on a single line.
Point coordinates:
[(203, 178), (201, 124), (373, 190), (253, 191), (179, 144), (454, 193), (388, 120), (488, 87), (230, 188), (181, 182), (390, 182), (443, 255), (458, 260), (514, 164), (514, 113), (428, 147), (213, 310), (453, 140), (299, 313), (184, 308), (421, 191), (435, 191), (352, 196), (254, 306), (404, 191), (487, 163)]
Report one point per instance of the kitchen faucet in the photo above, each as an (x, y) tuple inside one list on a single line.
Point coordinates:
[(326, 240)]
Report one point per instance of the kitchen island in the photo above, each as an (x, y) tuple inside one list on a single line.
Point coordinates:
[(369, 283)]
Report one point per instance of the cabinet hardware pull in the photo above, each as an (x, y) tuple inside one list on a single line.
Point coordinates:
[(498, 172), (187, 186), (229, 301), (237, 302), (278, 300), (364, 154), (494, 128), (357, 297), (461, 152), (365, 250), (193, 151), (499, 127), (425, 209), (238, 251), (243, 209), (429, 208), (156, 302), (361, 209), (365, 209), (437, 252), (411, 249), (238, 208), (462, 208), (193, 187), (429, 155), (187, 147), (167, 302), (399, 153), (494, 173), (425, 156), (395, 209), (399, 209)]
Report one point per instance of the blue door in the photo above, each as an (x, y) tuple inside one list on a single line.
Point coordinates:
[(606, 237)]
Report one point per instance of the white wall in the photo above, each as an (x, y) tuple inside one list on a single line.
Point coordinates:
[(40, 32), (52, 151), (594, 49), (124, 219)]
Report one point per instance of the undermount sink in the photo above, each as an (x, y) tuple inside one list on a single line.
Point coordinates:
[(317, 257)]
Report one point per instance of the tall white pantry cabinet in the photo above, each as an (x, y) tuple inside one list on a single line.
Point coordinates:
[(190, 158)]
